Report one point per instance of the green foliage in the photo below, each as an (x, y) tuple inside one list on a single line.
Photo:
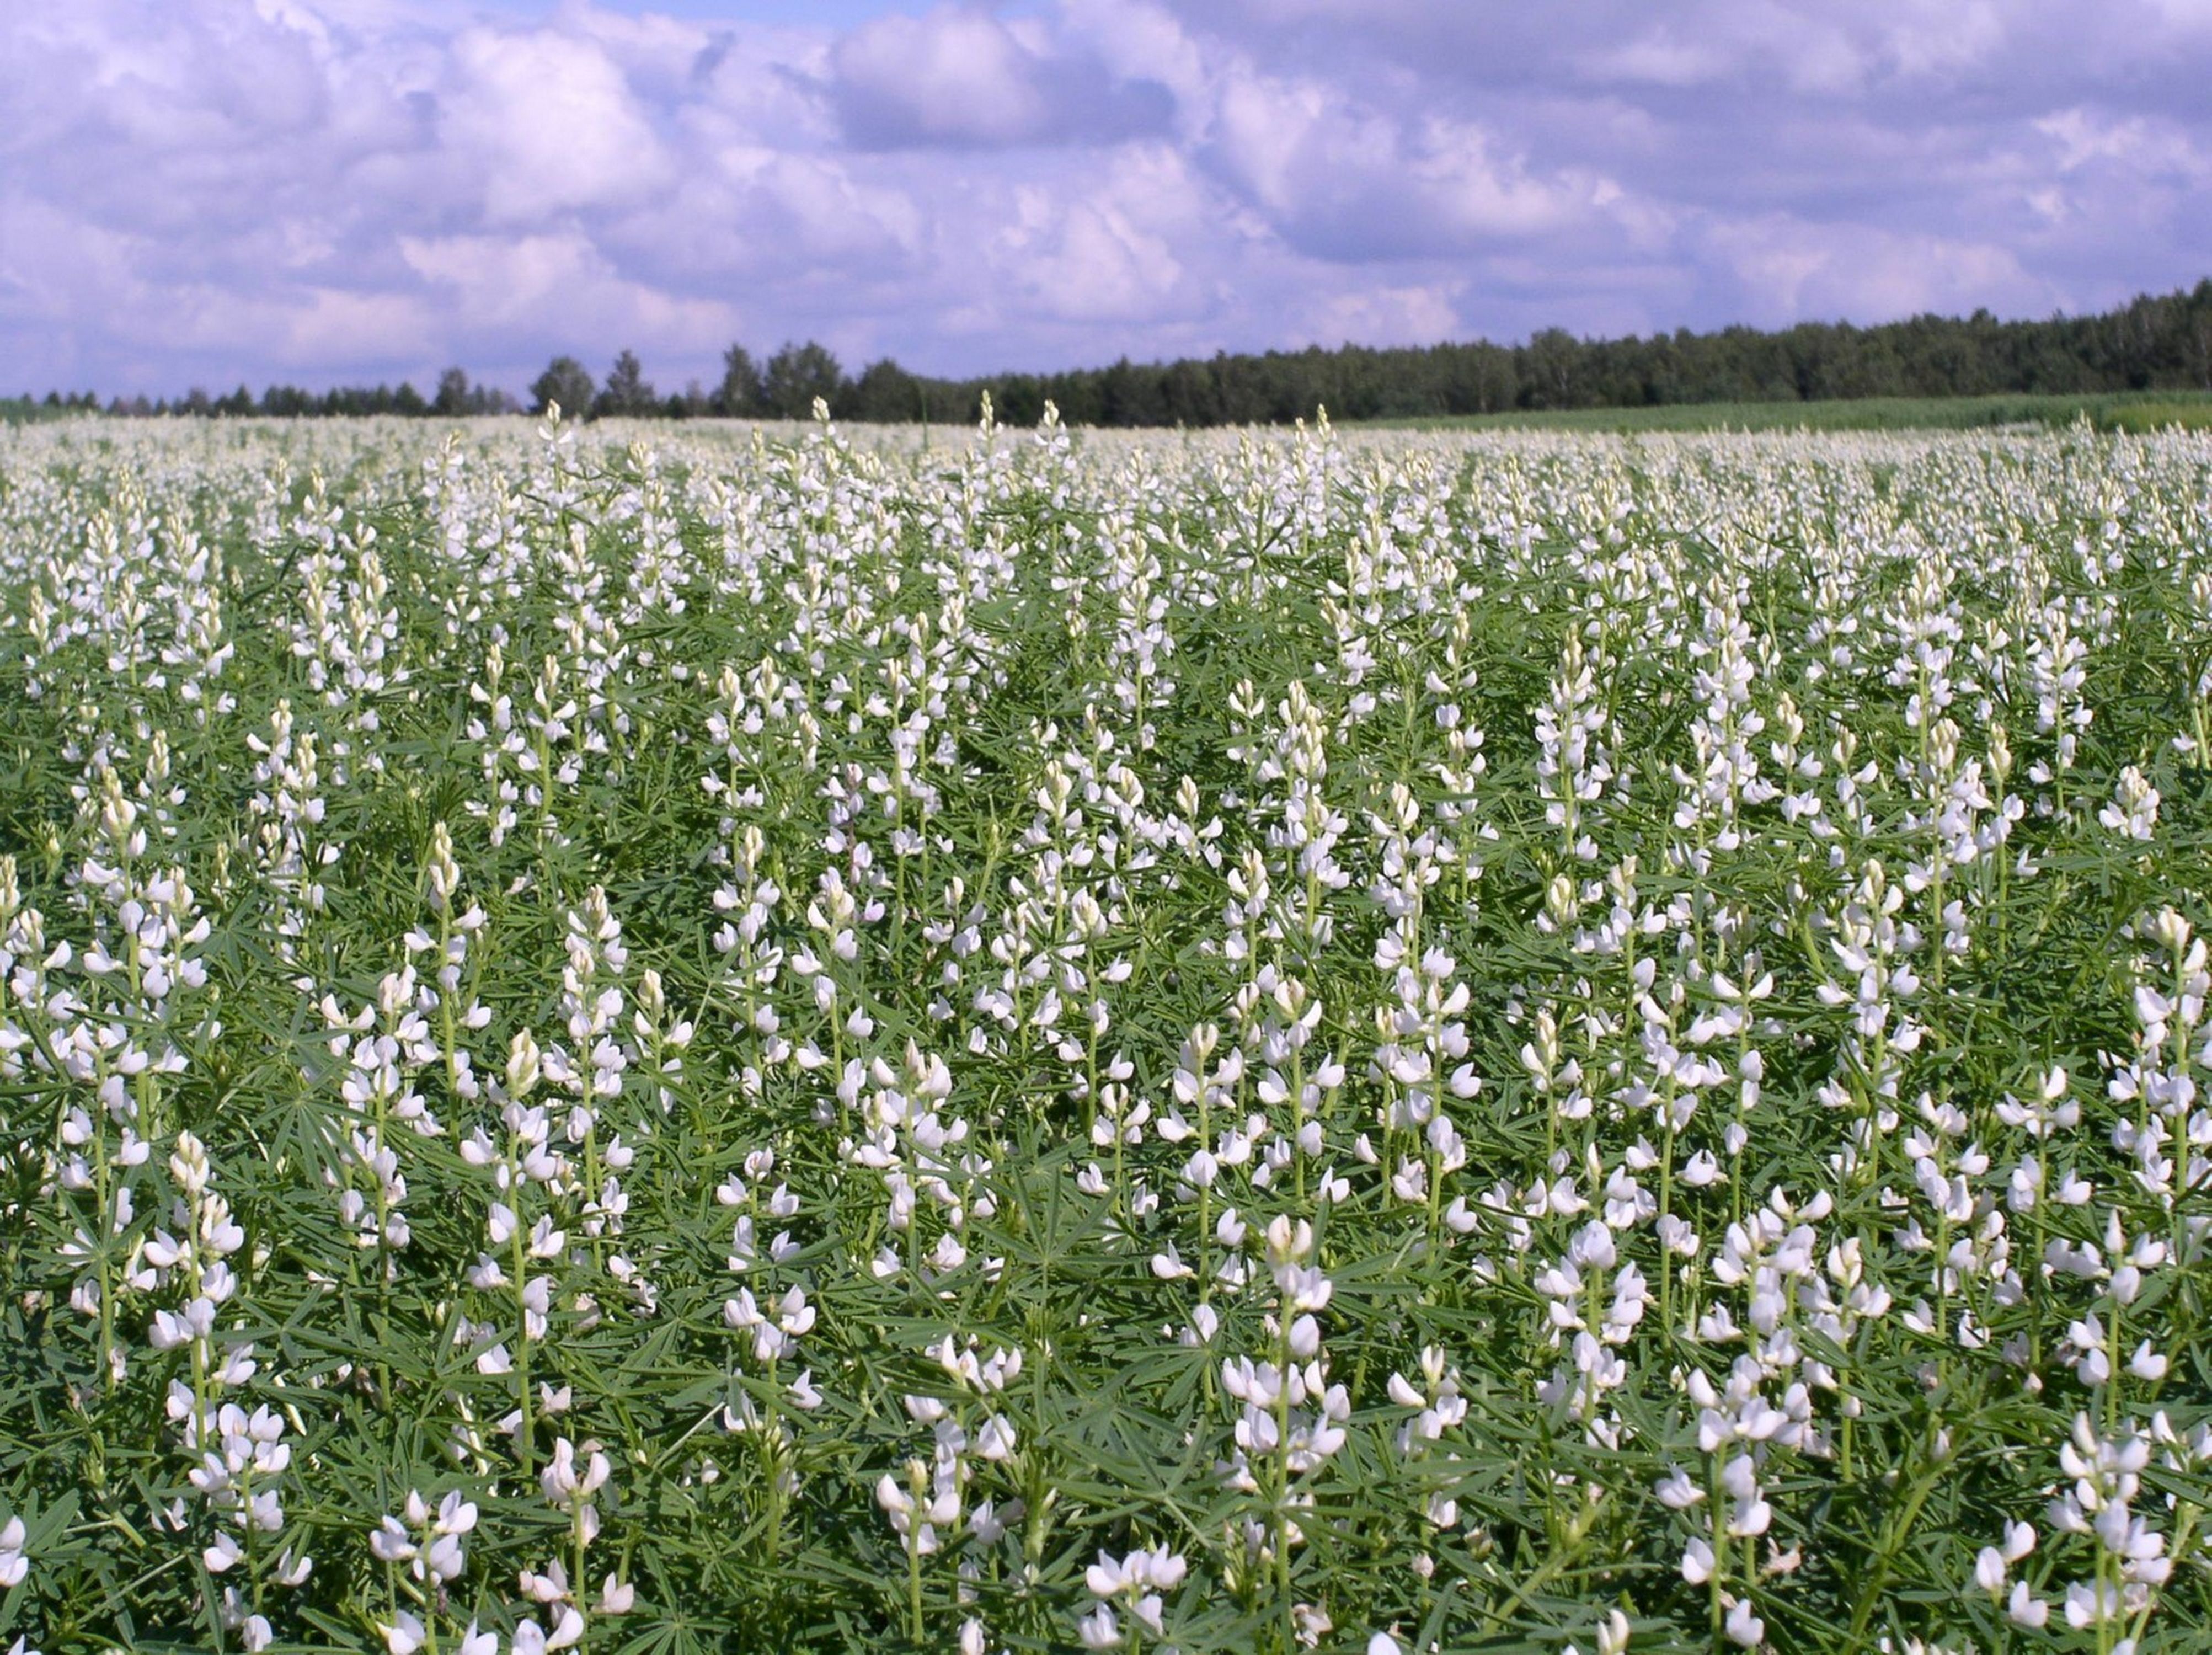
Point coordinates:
[(566, 383), (739, 395), (797, 376), (625, 394)]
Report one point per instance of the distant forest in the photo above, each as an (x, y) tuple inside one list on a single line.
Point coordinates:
[(2154, 342)]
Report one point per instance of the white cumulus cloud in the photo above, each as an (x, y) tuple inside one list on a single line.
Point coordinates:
[(320, 191)]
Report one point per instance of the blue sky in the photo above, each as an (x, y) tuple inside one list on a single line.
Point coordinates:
[(206, 191)]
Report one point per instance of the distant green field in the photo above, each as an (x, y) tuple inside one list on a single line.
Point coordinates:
[(2118, 411)]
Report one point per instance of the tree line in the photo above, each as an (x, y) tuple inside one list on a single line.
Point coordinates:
[(2153, 343), (456, 396)]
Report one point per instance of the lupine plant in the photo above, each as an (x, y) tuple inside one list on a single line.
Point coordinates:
[(790, 1040)]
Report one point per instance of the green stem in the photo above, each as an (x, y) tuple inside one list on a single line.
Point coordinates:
[(1282, 1478), (524, 1441)]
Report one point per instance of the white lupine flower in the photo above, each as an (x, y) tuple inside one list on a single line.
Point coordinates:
[(14, 1565), (2024, 1609), (2133, 812), (1745, 1629), (1698, 1561), (531, 1639)]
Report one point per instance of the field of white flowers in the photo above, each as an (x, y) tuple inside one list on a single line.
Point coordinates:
[(809, 1041)]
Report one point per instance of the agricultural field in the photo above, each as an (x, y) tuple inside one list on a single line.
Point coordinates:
[(690, 1038), (2137, 412)]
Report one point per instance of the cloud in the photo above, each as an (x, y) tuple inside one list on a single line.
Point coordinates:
[(498, 283), (1107, 254), (323, 190), (1140, 41), (2135, 146), (1344, 179), (1785, 269), (1383, 316), (552, 121), (504, 290), (961, 76), (756, 215)]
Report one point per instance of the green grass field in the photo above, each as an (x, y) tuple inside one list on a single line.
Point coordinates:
[(2125, 410)]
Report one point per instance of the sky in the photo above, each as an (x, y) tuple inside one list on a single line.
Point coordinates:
[(327, 191)]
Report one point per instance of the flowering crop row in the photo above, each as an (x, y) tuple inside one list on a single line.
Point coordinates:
[(808, 1042)]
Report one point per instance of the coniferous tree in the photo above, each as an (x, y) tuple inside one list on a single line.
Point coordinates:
[(626, 394), (738, 395)]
